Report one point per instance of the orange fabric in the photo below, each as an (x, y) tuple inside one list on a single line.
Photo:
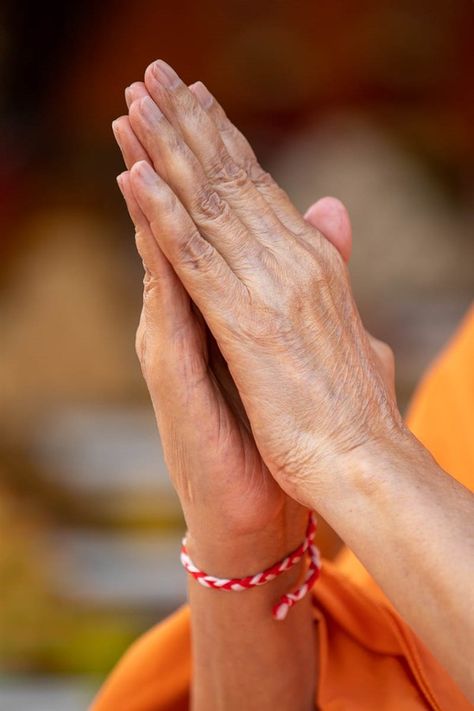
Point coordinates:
[(369, 659), (442, 413)]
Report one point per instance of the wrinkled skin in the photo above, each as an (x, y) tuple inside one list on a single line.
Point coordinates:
[(275, 293)]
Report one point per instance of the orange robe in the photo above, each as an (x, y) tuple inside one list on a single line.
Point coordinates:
[(370, 660)]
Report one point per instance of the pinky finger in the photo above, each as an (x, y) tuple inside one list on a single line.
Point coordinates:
[(136, 215), (166, 305), (154, 261)]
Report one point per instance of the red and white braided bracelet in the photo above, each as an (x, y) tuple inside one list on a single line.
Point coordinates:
[(279, 610)]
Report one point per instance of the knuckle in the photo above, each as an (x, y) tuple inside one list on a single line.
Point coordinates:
[(225, 172), (177, 146), (225, 127), (194, 111), (151, 290), (310, 264), (209, 205), (236, 176), (262, 178), (195, 252)]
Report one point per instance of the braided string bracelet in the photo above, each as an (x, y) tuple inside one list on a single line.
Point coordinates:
[(279, 610)]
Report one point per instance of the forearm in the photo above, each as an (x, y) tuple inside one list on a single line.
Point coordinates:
[(411, 525), (242, 657)]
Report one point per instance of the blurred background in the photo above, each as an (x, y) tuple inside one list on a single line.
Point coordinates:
[(371, 101)]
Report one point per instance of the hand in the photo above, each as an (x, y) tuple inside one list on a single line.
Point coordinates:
[(223, 484), (238, 507), (273, 291), (155, 349)]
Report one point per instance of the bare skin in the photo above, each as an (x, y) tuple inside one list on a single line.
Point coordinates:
[(223, 546), (275, 295)]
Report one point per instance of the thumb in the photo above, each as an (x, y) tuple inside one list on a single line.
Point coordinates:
[(331, 218)]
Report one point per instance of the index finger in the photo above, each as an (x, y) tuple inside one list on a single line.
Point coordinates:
[(132, 149)]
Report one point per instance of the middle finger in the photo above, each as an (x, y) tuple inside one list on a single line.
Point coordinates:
[(200, 133), (179, 167)]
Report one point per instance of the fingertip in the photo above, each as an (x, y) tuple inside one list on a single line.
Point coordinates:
[(136, 168), (330, 216), (202, 94), (133, 111), (142, 172), (121, 180), (118, 125), (126, 188), (134, 91), (151, 73), (166, 75), (328, 208)]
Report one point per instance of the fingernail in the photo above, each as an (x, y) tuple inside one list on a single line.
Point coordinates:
[(149, 110), (145, 172), (115, 129), (119, 180), (202, 94), (166, 74), (128, 96)]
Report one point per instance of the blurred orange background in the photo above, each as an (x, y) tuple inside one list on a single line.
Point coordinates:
[(369, 101)]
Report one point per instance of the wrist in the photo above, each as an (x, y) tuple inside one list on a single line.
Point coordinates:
[(370, 476), (223, 554), (380, 460)]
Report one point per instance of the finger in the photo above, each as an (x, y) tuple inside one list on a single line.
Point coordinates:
[(200, 133), (219, 367), (242, 153), (167, 320), (239, 151), (139, 220), (165, 299), (331, 218), (137, 90), (179, 167), (204, 273), (132, 149), (133, 93)]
